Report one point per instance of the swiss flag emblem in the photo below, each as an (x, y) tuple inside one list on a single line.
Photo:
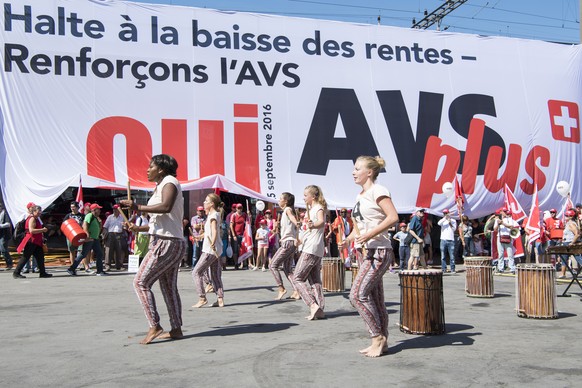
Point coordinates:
[(565, 120)]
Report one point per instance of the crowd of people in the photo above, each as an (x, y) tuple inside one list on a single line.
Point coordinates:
[(288, 240)]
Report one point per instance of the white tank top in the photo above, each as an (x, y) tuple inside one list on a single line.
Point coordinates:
[(208, 236), (167, 224), (288, 228), (313, 238)]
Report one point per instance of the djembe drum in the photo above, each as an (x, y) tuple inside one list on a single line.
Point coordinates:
[(535, 291), (422, 307), (479, 277), (333, 274)]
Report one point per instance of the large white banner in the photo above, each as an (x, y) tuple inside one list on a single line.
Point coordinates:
[(94, 88)]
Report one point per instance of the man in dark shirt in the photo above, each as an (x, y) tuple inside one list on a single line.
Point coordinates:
[(5, 228), (416, 245)]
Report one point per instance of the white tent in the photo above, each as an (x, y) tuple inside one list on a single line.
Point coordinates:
[(223, 183)]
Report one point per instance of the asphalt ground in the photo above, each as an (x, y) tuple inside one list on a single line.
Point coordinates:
[(85, 331)]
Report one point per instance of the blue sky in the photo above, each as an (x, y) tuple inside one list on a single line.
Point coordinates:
[(555, 20)]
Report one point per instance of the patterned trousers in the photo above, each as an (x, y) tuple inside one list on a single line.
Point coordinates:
[(284, 258), (162, 263), (367, 293), (200, 274), (307, 279)]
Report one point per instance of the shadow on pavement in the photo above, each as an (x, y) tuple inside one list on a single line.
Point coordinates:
[(259, 328), (450, 338)]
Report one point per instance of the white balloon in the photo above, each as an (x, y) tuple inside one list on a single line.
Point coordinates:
[(260, 205), (448, 189), (563, 188)]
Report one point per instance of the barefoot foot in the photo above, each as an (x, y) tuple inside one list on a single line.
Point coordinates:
[(218, 303), (315, 312), (152, 334), (379, 346), (295, 295), (201, 302), (281, 294), (175, 334)]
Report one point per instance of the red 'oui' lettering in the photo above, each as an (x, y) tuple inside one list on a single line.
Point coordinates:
[(174, 136)]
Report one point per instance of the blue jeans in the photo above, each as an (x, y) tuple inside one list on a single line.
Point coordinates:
[(196, 252), (510, 261), (448, 246), (469, 246), (404, 254), (95, 246), (31, 265), (4, 251)]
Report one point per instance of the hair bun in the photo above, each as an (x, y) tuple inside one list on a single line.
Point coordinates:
[(381, 161)]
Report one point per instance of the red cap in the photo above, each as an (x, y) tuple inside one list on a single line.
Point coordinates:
[(30, 204), (200, 208), (239, 205), (402, 224), (116, 206), (96, 206), (233, 206), (553, 211), (267, 211), (87, 204), (570, 213), (263, 222), (446, 211)]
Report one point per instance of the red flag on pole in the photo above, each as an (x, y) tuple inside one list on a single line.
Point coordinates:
[(517, 212), (459, 196), (567, 205), (79, 198), (533, 225)]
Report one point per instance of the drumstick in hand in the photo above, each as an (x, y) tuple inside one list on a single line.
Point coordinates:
[(357, 229), (129, 199)]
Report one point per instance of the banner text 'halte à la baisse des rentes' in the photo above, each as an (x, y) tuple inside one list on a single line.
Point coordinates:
[(260, 99), (70, 24)]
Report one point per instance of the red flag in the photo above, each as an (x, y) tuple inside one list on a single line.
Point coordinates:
[(533, 225), (246, 247), (517, 212), (567, 205), (79, 198), (459, 196)]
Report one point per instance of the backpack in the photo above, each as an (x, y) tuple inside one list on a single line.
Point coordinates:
[(19, 231)]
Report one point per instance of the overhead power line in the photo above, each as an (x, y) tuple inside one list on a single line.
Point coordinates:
[(436, 16)]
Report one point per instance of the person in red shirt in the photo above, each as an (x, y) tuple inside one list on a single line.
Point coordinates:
[(342, 227), (554, 228), (237, 230)]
